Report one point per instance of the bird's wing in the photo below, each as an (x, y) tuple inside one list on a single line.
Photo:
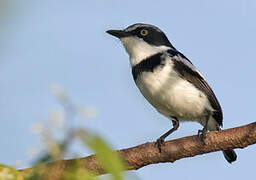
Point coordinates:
[(188, 71)]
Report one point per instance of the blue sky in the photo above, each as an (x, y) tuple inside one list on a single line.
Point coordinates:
[(64, 42)]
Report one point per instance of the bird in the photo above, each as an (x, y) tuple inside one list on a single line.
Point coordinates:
[(170, 82)]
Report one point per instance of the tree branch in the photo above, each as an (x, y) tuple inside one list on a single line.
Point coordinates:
[(146, 154)]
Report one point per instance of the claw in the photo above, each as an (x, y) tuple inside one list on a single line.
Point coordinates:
[(201, 134), (159, 143)]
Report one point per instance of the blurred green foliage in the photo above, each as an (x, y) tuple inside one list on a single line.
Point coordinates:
[(110, 160), (9, 173), (57, 149)]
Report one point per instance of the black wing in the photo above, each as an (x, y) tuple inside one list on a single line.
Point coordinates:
[(193, 76)]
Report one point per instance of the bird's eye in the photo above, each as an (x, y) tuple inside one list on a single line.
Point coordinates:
[(144, 32)]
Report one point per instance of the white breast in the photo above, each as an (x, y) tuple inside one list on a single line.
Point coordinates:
[(171, 95)]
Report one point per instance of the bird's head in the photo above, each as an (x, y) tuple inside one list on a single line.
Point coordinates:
[(142, 41)]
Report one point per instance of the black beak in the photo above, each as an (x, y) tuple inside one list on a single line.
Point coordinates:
[(118, 33)]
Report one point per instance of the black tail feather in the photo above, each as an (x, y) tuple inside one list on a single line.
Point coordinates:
[(230, 155)]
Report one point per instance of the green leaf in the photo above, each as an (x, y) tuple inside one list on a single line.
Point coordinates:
[(109, 159), (78, 174), (8, 173)]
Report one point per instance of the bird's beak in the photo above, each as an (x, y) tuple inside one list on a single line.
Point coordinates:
[(118, 33)]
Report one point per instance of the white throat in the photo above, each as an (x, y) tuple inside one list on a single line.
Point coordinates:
[(139, 50)]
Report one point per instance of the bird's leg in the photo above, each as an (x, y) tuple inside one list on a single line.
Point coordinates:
[(160, 140), (201, 133)]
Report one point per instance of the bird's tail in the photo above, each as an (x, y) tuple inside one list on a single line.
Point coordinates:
[(230, 154)]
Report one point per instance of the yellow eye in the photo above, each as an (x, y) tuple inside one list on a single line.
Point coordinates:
[(144, 32)]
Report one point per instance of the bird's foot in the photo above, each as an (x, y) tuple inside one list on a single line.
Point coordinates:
[(202, 134), (159, 143)]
